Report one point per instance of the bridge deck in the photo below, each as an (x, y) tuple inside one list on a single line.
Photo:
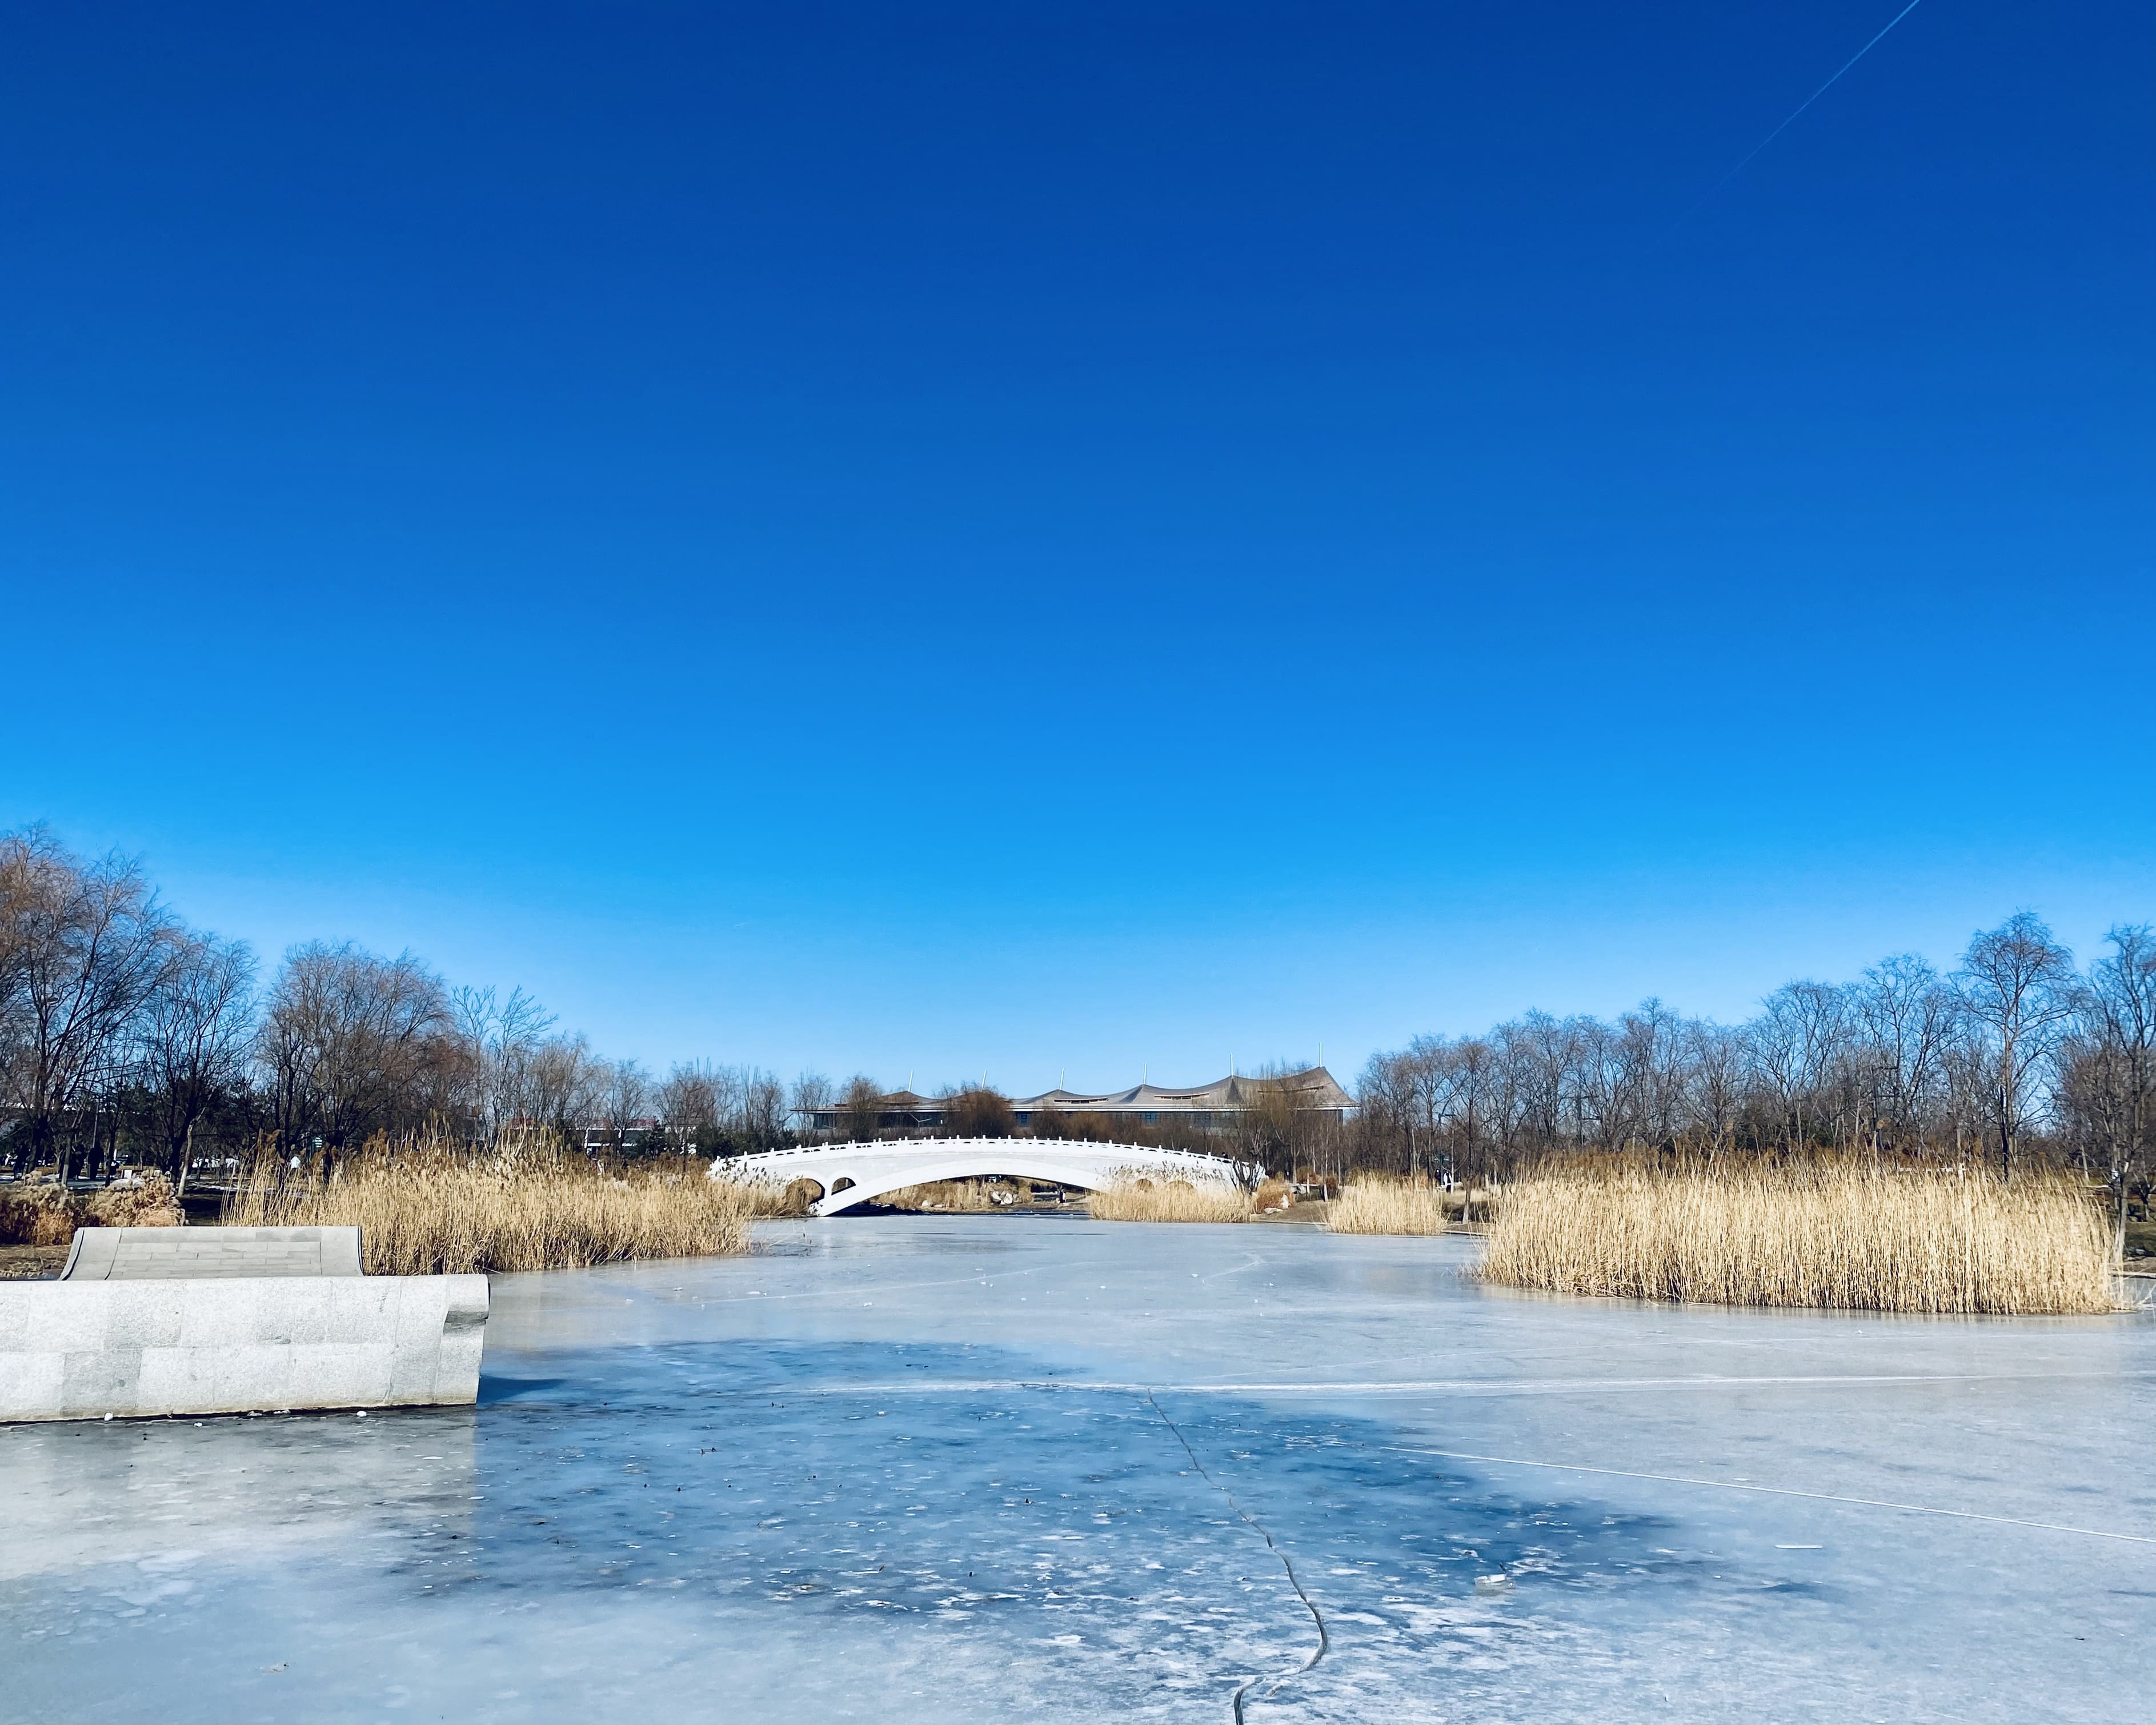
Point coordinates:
[(859, 1172)]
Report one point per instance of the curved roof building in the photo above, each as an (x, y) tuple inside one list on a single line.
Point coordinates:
[(1143, 1104)]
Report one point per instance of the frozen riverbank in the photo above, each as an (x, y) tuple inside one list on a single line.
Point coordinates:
[(1001, 1467)]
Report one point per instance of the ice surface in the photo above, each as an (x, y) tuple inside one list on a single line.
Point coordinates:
[(927, 1468)]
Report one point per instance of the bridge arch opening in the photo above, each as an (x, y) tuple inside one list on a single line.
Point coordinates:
[(801, 1197)]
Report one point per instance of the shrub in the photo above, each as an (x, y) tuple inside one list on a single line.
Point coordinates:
[(1274, 1195), (39, 1213), (976, 1111), (145, 1200)]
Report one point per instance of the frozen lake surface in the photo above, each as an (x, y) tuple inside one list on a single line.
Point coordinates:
[(1015, 1467)]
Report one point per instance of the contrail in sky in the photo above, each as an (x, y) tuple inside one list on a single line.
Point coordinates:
[(1799, 109)]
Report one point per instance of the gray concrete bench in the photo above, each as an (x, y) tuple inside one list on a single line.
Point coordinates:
[(169, 1321), (169, 1253)]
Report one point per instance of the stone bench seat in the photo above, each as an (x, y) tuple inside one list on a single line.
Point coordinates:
[(190, 1254)]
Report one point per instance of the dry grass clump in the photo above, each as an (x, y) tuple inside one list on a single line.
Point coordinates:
[(147, 1200), (45, 1212), (1378, 1203), (39, 1213), (1850, 1236), (1142, 1199), (955, 1196), (1273, 1194), (426, 1209)]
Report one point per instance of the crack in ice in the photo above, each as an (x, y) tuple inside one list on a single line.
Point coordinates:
[(1309, 1604)]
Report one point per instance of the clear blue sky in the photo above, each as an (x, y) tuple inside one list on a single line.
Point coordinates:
[(1035, 539)]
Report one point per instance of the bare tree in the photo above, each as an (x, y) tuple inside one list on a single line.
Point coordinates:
[(627, 1096), (694, 1103), (1264, 1131), (356, 1044), (2108, 1083), (2017, 989), (1795, 1042), (809, 1096), (501, 1037), (82, 945), (1385, 1100), (1908, 1017), (1716, 1082), (1543, 1054), (196, 1032), (1472, 1073), (974, 1110), (762, 1111), (861, 1108), (1425, 1074), (1605, 1085), (561, 1088)]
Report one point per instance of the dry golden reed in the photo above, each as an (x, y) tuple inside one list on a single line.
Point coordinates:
[(955, 1196), (146, 1198), (1377, 1204), (1839, 1234), (785, 1198), (1142, 1199), (45, 1212), (1273, 1194), (1392, 1204), (427, 1210)]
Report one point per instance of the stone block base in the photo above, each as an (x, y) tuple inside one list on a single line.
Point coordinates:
[(80, 1350)]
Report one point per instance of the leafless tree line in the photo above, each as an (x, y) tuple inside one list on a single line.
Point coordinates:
[(2014, 1053), (125, 1035)]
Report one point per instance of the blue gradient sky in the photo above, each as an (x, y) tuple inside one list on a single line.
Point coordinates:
[(1039, 540)]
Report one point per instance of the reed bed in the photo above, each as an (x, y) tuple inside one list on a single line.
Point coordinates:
[(956, 1197), (427, 1211), (763, 1199), (1142, 1199), (1854, 1236), (1393, 1203), (1376, 1204)]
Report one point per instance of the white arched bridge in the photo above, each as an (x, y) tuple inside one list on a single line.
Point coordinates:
[(860, 1174)]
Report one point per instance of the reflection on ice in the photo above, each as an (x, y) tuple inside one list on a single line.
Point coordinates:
[(997, 1468)]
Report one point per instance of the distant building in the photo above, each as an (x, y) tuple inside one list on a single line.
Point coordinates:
[(1204, 1105), (900, 1111), (600, 1136)]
